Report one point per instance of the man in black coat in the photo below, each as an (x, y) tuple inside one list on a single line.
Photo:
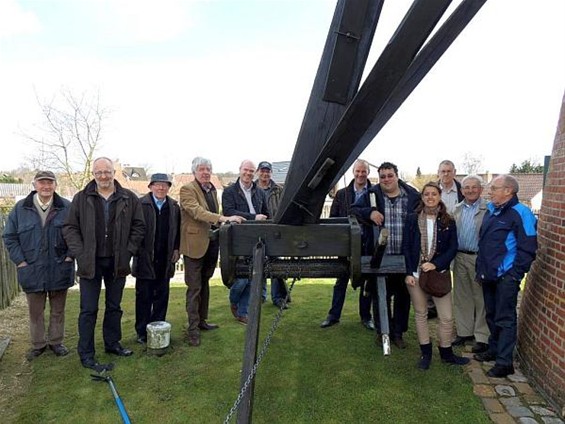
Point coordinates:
[(154, 264), (45, 269), (104, 229), (341, 207)]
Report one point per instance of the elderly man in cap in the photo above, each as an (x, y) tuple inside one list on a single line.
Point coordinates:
[(45, 270), (273, 191), (154, 264)]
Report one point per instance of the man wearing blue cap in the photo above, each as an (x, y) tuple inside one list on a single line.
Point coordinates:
[(154, 264)]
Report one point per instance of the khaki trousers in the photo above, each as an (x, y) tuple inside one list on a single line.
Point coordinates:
[(468, 301), (36, 306), (444, 313)]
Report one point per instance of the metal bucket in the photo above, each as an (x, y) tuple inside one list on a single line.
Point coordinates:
[(158, 337)]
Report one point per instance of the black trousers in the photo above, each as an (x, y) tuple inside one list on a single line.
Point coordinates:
[(151, 302), (89, 296)]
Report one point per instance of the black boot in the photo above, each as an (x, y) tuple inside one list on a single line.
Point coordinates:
[(426, 357), (449, 357)]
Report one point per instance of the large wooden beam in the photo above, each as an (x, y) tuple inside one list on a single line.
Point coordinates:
[(337, 81), (424, 61), (311, 187)]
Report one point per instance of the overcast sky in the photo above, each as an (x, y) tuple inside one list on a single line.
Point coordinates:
[(230, 79)]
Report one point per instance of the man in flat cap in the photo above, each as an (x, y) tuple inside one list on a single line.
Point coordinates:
[(45, 270), (154, 264)]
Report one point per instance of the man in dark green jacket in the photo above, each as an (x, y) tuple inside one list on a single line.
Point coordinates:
[(45, 270), (103, 231)]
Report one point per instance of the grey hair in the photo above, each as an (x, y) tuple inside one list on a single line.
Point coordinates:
[(364, 163), (477, 178), (446, 162), (199, 161), (510, 182)]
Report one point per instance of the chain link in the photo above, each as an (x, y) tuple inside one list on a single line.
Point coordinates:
[(262, 353)]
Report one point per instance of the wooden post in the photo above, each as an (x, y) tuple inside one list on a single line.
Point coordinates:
[(245, 410)]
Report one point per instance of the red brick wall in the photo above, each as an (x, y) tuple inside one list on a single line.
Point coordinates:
[(541, 328)]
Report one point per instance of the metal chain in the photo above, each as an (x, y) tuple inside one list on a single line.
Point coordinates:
[(262, 353)]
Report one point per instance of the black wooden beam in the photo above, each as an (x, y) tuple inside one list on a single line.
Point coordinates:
[(311, 186), (349, 39), (245, 411), (424, 61)]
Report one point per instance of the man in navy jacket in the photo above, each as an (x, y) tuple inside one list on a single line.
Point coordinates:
[(507, 248), (46, 269), (388, 205)]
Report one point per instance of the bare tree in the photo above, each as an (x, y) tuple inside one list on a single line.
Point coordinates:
[(472, 164), (69, 134)]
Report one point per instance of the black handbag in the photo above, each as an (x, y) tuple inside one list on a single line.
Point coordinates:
[(435, 283)]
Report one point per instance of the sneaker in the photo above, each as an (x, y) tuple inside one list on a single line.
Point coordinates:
[(242, 320)]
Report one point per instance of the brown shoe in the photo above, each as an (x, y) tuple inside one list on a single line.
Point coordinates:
[(398, 341), (207, 326), (233, 308), (194, 340), (242, 320)]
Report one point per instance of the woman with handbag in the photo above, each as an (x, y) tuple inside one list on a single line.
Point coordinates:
[(429, 246)]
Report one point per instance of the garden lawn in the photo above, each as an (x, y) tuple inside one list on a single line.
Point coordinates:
[(309, 374)]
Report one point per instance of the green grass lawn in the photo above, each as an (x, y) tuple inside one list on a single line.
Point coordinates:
[(309, 374)]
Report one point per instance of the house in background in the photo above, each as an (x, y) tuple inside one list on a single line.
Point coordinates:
[(12, 192)]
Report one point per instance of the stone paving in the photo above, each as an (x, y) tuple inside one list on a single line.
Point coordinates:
[(509, 400)]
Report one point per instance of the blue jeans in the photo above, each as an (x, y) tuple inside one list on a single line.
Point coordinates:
[(338, 299), (239, 295), (278, 290), (501, 298)]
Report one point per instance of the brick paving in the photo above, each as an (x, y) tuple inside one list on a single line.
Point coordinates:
[(509, 400)]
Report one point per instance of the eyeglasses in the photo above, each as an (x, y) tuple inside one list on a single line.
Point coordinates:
[(494, 188), (98, 174)]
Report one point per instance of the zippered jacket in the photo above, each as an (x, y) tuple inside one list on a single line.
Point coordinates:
[(41, 247), (80, 235), (507, 242)]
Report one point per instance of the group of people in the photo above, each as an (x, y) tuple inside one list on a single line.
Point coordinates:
[(107, 228), (447, 225), (110, 233)]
